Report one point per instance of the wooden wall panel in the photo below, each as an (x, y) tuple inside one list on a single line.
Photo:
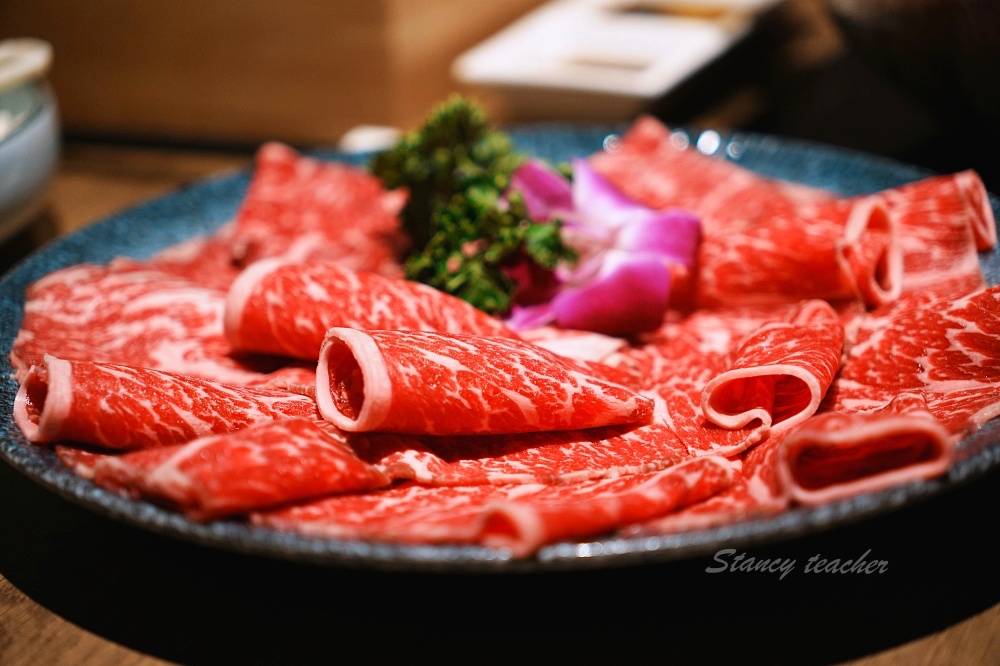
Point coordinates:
[(244, 71)]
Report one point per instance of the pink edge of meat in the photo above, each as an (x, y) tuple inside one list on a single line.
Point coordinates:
[(515, 526), (81, 461), (712, 397), (525, 524), (43, 400), (239, 294), (377, 387), (980, 417), (981, 220), (880, 282), (927, 450)]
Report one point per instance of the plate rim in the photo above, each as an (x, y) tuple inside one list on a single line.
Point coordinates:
[(981, 448)]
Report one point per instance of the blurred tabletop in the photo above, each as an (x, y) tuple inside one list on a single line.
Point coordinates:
[(78, 588)]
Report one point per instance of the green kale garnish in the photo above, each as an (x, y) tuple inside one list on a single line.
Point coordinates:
[(467, 231), (456, 149)]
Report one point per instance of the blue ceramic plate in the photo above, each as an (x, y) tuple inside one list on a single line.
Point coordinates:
[(199, 208)]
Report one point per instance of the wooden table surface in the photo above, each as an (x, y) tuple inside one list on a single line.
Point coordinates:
[(48, 564)]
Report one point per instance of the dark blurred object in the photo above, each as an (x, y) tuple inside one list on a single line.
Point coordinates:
[(912, 80), (945, 54), (943, 57)]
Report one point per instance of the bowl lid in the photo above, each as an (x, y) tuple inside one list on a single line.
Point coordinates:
[(23, 59)]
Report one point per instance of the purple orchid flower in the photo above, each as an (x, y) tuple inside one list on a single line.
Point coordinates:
[(629, 253)]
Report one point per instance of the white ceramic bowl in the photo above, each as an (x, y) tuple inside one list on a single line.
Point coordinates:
[(29, 132)]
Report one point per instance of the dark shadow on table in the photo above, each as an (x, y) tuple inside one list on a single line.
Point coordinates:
[(196, 605)]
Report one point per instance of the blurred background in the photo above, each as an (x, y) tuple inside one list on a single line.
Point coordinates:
[(152, 95)]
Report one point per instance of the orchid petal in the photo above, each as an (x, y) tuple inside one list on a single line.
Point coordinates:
[(630, 294), (599, 202), (531, 316), (673, 234), (628, 254), (547, 194), (586, 268)]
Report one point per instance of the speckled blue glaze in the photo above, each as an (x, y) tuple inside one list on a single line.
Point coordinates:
[(203, 206)]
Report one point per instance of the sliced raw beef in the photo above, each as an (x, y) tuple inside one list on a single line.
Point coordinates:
[(444, 384), (205, 260), (836, 455), (770, 250), (835, 250), (691, 353), (127, 313), (121, 407), (234, 473), (678, 365), (595, 353), (678, 432), (624, 374), (519, 518), (559, 456), (938, 224), (942, 223), (661, 169), (301, 208), (280, 307), (701, 344), (558, 513), (763, 240), (408, 513), (780, 373), (945, 349), (980, 210), (758, 491)]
